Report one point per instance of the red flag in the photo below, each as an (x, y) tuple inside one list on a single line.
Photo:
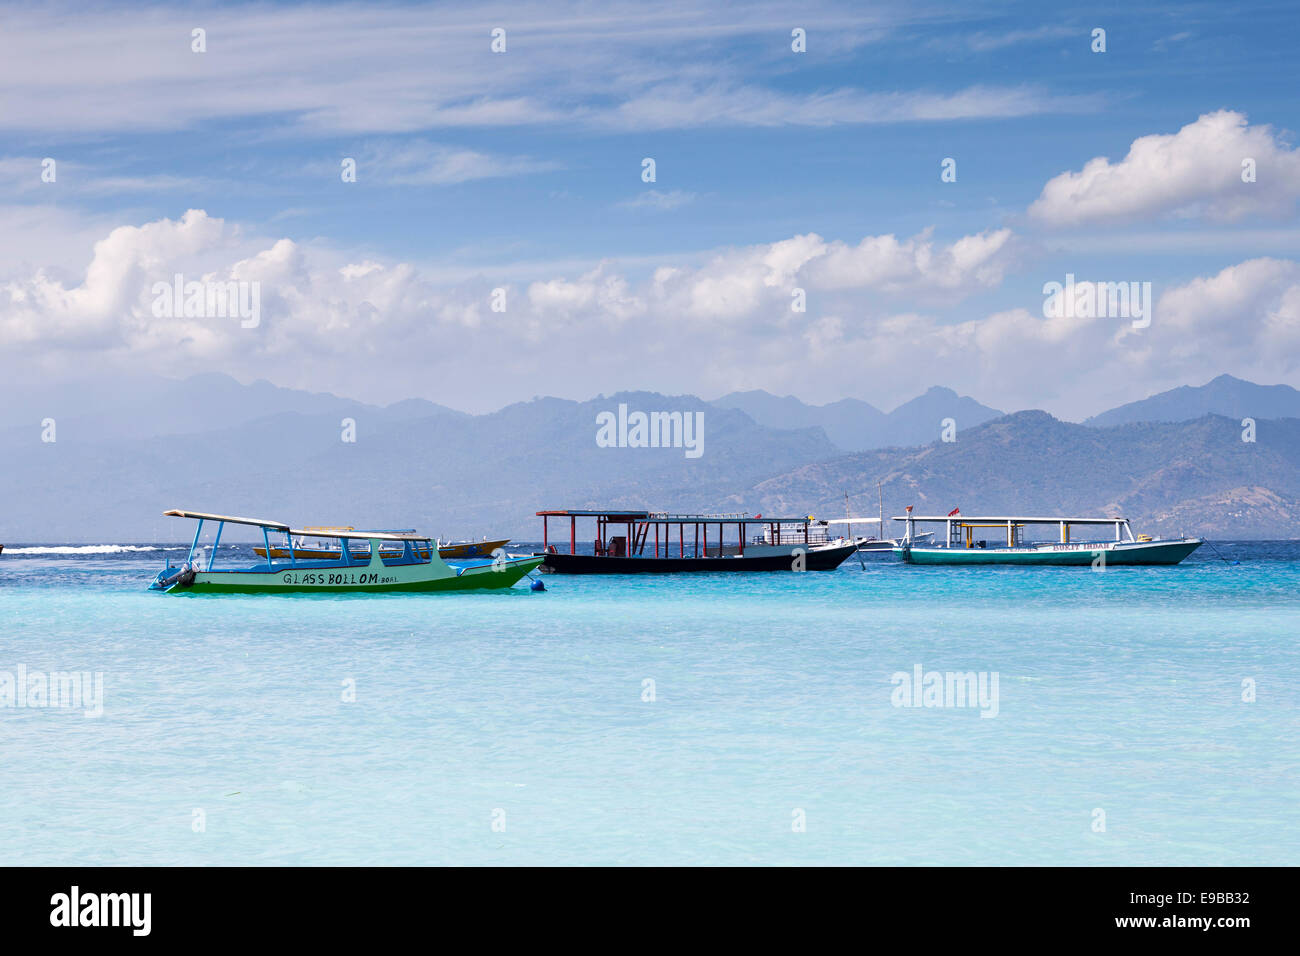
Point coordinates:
[(909, 509), (955, 511)]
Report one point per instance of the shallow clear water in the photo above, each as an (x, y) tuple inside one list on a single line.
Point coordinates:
[(1120, 691)]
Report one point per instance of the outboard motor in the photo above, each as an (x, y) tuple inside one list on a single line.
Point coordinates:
[(167, 578)]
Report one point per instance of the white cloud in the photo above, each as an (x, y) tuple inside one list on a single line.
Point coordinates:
[(662, 201), (319, 309), (982, 41), (23, 175), (420, 163), (1196, 172), (392, 68), (385, 330), (678, 105), (1246, 313), (916, 264)]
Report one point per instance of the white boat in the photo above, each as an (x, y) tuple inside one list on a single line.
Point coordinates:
[(873, 542), (1006, 542)]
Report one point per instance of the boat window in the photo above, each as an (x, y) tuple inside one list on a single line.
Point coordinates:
[(404, 552)]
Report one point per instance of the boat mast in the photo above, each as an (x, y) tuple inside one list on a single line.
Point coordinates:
[(881, 497)]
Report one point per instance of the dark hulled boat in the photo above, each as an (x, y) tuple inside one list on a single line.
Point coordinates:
[(647, 544)]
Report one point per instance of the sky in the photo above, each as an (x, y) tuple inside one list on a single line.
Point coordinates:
[(502, 238)]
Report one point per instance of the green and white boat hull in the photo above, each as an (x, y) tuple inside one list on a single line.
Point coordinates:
[(436, 575), (1100, 553)]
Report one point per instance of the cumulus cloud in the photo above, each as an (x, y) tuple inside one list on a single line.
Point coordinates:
[(899, 265), (1244, 320), (320, 308), (1196, 172), (1247, 313), (384, 330)]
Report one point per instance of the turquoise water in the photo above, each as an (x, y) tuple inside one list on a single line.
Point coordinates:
[(1119, 691)]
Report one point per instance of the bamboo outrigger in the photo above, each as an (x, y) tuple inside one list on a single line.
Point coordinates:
[(392, 562)]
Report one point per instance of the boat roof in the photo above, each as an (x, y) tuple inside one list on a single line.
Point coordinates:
[(228, 519), (852, 521), (574, 513), (312, 532), (320, 529), (664, 517), (363, 535), (1014, 519)]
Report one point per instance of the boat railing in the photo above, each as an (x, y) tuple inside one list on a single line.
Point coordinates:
[(673, 516), (794, 536)]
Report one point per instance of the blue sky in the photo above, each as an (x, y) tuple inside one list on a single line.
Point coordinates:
[(522, 170)]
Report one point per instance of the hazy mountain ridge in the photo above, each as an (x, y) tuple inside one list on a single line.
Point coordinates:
[(1196, 477), (854, 425), (155, 406), (1224, 395), (450, 473)]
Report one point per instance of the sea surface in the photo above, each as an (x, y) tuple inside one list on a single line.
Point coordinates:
[(1142, 716)]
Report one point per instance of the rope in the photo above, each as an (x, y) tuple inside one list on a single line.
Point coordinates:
[(1221, 557)]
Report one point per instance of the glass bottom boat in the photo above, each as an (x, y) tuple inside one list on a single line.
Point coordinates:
[(391, 562)]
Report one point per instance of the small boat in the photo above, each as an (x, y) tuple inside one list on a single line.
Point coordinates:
[(391, 562), (785, 544), (1010, 547), (871, 543), (875, 543), (320, 548)]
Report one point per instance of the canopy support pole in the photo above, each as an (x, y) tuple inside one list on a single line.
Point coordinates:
[(216, 544), (194, 544)]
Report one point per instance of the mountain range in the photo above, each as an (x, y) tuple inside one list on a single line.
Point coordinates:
[(1169, 478), (856, 426), (1175, 462), (1225, 395)]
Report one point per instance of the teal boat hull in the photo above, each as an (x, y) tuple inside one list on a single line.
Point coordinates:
[(1057, 555)]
